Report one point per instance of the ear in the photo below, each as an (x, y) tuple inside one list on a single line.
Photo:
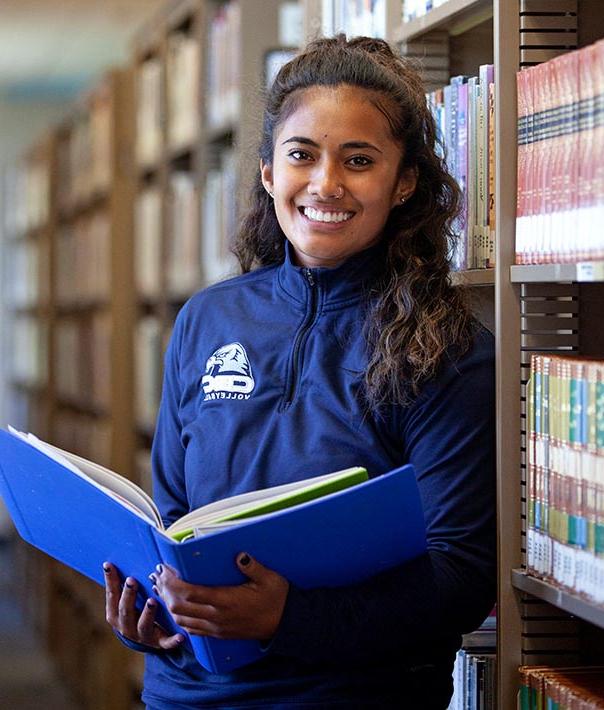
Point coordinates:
[(266, 175), (405, 186)]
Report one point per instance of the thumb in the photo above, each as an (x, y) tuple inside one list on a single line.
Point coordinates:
[(250, 567)]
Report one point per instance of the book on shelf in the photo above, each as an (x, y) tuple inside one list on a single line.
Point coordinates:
[(474, 671), (149, 114), (224, 72), (329, 530), (183, 269), (564, 687), (412, 9), (565, 473), (354, 18), (464, 112), (148, 358), (148, 263), (183, 80), (560, 199), (219, 219)]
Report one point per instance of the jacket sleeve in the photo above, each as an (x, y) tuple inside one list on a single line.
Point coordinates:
[(168, 452), (448, 435)]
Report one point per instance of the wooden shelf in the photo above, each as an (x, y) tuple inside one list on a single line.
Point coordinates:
[(456, 16), (473, 277), (582, 272), (571, 603)]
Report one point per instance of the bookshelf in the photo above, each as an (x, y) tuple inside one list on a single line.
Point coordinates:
[(28, 223), (197, 64), (85, 308), (537, 623)]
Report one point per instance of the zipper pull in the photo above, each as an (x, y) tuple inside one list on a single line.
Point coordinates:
[(309, 276)]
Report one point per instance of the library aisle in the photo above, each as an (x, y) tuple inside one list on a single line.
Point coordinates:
[(27, 677)]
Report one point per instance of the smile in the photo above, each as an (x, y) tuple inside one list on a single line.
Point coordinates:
[(319, 216)]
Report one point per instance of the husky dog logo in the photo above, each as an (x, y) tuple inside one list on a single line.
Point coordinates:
[(228, 374)]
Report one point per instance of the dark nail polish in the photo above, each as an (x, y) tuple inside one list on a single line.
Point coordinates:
[(155, 590), (153, 578), (150, 603), (244, 560), (159, 568), (106, 569), (129, 584)]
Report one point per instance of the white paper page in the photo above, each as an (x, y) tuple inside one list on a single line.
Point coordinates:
[(109, 482)]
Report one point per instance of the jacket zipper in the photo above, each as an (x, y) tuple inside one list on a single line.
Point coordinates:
[(301, 339)]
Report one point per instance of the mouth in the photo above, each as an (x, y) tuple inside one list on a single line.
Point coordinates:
[(325, 216)]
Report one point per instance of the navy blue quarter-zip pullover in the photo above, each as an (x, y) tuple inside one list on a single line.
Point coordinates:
[(262, 386)]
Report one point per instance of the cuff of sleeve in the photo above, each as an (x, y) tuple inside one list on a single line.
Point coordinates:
[(135, 646), (298, 629)]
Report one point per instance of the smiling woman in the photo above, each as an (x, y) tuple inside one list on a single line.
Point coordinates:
[(349, 347), (334, 190)]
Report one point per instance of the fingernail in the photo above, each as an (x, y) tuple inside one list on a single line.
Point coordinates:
[(244, 560), (130, 583), (159, 568), (153, 578), (155, 590), (150, 602), (106, 569), (180, 639)]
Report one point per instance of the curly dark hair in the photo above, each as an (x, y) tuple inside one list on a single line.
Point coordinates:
[(414, 315)]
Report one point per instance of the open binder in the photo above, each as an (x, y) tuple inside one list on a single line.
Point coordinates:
[(338, 539)]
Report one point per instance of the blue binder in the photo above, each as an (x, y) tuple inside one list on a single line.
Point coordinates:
[(336, 540)]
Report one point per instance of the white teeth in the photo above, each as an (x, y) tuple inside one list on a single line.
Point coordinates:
[(318, 216)]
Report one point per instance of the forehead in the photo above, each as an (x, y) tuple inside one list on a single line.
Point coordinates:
[(341, 112)]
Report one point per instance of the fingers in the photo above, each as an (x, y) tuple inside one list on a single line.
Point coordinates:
[(113, 592)]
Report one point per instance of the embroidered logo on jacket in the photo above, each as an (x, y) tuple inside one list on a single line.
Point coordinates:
[(228, 374)]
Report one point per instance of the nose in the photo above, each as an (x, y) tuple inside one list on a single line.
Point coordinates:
[(325, 182)]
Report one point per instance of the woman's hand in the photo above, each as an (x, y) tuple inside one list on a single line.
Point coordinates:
[(251, 610), (124, 617)]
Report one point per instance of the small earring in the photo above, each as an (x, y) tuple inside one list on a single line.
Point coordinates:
[(403, 199)]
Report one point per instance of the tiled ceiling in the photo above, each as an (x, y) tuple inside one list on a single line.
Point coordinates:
[(50, 49)]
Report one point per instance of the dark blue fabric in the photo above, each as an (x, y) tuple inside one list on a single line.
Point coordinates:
[(290, 407)]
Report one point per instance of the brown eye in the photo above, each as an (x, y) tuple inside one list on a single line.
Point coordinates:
[(359, 161), (299, 155)]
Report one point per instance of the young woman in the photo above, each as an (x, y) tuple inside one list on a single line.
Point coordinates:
[(351, 348)]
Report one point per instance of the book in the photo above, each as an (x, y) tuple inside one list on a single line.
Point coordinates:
[(83, 514)]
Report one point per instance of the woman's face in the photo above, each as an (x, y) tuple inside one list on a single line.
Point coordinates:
[(334, 175)]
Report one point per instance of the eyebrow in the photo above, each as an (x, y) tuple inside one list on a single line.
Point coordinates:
[(343, 146)]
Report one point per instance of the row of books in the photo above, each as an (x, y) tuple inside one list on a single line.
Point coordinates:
[(475, 669), (565, 474), (224, 59), (149, 115), (28, 351), (22, 276), (219, 210), (561, 688), (464, 111), (148, 260), (183, 101), (183, 89), (85, 152), (27, 197), (183, 253), (199, 232), (413, 9), (149, 345), (82, 361), (560, 200), (83, 261), (354, 17)]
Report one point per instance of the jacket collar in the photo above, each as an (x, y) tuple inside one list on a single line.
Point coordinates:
[(346, 282)]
